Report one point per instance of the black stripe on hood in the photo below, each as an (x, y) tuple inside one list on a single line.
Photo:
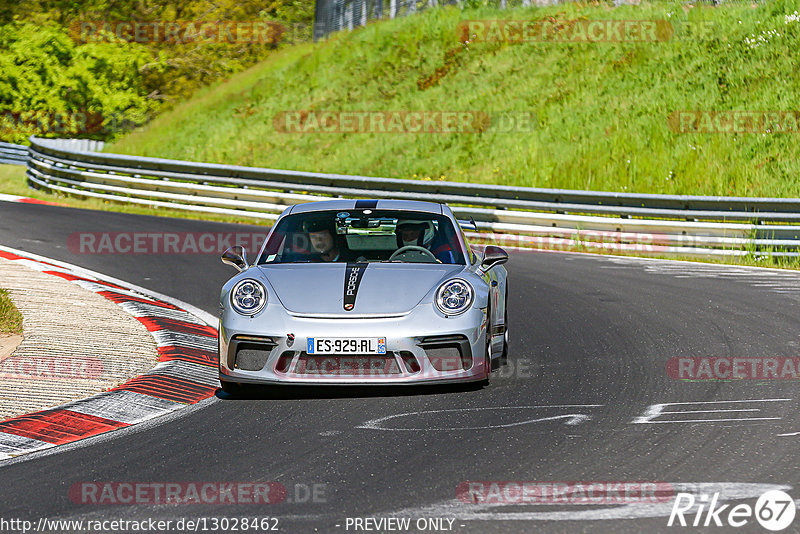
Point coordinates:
[(352, 279), (366, 204)]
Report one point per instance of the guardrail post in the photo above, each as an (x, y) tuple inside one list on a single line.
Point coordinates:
[(349, 14)]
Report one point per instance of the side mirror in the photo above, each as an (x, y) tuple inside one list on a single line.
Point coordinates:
[(235, 256), (493, 256)]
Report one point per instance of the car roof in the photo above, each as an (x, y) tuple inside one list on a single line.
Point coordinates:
[(347, 204)]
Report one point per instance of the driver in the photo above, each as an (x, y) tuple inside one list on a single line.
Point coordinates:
[(421, 234), (323, 240)]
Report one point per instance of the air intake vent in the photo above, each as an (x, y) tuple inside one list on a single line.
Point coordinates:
[(284, 361), (448, 353), (410, 361), (250, 353)]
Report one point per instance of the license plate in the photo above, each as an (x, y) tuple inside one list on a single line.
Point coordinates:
[(346, 345)]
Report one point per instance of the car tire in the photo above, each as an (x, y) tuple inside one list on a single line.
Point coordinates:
[(504, 354), (231, 388), (487, 351)]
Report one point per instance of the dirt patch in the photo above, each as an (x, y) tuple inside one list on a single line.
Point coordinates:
[(8, 342)]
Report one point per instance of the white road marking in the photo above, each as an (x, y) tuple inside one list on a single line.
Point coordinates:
[(124, 406), (728, 401), (167, 338), (715, 411), (97, 287), (141, 309), (10, 198), (657, 410), (12, 444), (712, 420), (571, 418), (202, 374)]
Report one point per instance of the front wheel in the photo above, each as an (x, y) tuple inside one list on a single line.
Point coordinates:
[(487, 352), (231, 388), (504, 354)]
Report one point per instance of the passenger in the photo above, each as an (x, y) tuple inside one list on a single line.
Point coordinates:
[(421, 234), (324, 241)]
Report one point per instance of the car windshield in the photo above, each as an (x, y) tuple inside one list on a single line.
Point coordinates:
[(363, 236)]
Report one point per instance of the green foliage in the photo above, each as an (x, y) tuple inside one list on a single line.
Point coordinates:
[(46, 70), (10, 318), (601, 109)]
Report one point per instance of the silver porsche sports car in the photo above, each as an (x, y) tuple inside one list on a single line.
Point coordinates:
[(363, 292)]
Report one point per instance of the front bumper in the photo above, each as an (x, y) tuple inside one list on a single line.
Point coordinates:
[(423, 347)]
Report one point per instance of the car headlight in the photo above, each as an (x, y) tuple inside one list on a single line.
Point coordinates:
[(454, 297), (248, 296)]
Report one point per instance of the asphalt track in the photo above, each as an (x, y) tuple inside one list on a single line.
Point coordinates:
[(590, 339)]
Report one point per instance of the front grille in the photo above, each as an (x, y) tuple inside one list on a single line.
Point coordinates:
[(250, 353), (374, 365), (447, 353)]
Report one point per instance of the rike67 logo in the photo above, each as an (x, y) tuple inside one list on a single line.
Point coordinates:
[(774, 510)]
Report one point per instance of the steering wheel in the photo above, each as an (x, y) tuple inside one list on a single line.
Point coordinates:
[(409, 248)]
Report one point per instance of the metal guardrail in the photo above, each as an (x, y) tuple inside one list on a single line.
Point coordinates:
[(18, 154), (81, 145), (13, 154), (337, 15), (518, 216)]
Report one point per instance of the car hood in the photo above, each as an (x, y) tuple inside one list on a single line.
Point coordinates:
[(383, 288)]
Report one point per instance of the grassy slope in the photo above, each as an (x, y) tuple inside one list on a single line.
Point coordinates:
[(602, 108), (10, 318)]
